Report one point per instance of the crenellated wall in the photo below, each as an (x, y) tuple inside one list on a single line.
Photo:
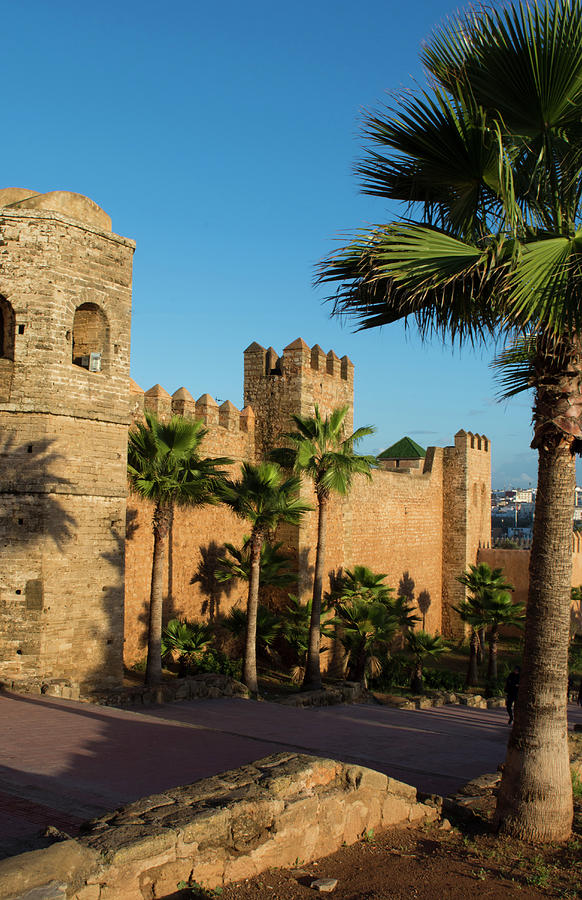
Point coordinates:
[(426, 518), (76, 552)]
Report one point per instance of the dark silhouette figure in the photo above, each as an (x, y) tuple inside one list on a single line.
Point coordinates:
[(511, 689)]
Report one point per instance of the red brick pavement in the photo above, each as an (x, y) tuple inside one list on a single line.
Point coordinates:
[(62, 762)]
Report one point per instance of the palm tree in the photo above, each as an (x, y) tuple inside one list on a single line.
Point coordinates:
[(488, 161), (267, 630), (320, 451), (295, 631), (186, 641), (164, 466), (360, 583), (275, 568), (482, 582), (471, 612), (264, 498), (367, 630), (499, 609), (423, 646)]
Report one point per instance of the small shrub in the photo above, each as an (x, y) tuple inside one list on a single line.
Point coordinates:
[(444, 680), (395, 673), (217, 662)]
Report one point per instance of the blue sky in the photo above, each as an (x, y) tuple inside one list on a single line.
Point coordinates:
[(222, 138)]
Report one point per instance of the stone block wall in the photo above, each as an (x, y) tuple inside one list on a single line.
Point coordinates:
[(515, 565), (278, 387), (197, 535), (279, 811), (65, 404), (466, 517), (63, 441), (427, 519)]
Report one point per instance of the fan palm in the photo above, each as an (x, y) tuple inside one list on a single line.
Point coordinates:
[(499, 609), (488, 161), (165, 467), (264, 498), (274, 566), (470, 612), (367, 629), (295, 630), (321, 452), (185, 640), (481, 582), (267, 631), (360, 583), (422, 645)]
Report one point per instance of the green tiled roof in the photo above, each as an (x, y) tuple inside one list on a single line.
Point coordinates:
[(405, 448)]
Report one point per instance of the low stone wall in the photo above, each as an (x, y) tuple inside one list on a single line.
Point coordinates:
[(438, 698), (282, 810), (206, 686)]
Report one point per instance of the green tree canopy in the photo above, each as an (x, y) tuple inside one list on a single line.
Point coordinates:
[(164, 466), (322, 451), (487, 162)]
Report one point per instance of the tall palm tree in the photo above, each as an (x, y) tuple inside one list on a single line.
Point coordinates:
[(164, 465), (488, 162), (499, 609), (482, 582), (264, 498), (471, 613), (321, 452)]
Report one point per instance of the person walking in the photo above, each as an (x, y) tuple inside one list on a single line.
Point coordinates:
[(511, 689)]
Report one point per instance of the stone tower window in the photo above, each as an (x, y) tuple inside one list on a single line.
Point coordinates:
[(6, 330), (90, 337)]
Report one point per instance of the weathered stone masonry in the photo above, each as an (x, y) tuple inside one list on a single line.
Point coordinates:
[(68, 551), (65, 283), (427, 517)]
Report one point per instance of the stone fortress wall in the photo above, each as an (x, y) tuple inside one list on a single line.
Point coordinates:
[(73, 546), (65, 292), (427, 519)]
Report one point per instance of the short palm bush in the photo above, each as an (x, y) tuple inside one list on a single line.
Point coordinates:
[(185, 642)]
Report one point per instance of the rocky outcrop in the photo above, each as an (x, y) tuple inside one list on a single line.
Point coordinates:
[(278, 811)]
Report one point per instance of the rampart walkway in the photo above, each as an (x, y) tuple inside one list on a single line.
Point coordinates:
[(62, 762)]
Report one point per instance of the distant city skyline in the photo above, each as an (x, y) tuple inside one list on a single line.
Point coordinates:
[(223, 140)]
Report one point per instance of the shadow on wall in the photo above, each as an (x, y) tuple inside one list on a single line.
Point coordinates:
[(205, 575), (30, 465), (35, 530)]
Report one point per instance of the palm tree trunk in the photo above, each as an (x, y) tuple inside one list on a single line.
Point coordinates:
[(312, 680), (492, 668), (535, 797), (161, 525), (416, 683), (250, 657), (481, 646), (472, 674)]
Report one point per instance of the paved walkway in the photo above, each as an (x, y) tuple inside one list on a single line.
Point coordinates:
[(62, 762)]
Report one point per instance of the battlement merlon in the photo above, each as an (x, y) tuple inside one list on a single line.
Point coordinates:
[(182, 403), (296, 358), (466, 440)]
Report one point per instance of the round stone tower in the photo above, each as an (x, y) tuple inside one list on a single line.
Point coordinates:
[(65, 306)]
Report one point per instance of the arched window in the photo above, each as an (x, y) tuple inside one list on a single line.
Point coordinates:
[(90, 337), (6, 329)]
